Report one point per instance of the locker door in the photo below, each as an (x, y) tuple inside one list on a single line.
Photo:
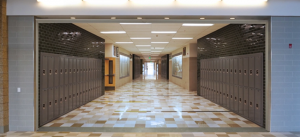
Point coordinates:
[(259, 107), (56, 102), (78, 70), (231, 74), (220, 71), (50, 72), (240, 72), (74, 86), (231, 98), (246, 73), (251, 104), (246, 102), (241, 100), (224, 95), (70, 62), (217, 92), (227, 88), (66, 99), (227, 70), (56, 70), (66, 75), (259, 71), (215, 69), (214, 91), (44, 71), (70, 91), (61, 71), (43, 106), (61, 100), (81, 94), (224, 70), (50, 104), (236, 98), (236, 71), (251, 71), (220, 93), (74, 64)]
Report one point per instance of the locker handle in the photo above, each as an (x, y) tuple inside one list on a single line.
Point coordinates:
[(227, 95), (66, 70), (70, 70), (235, 71), (227, 70), (257, 72), (245, 72), (50, 72), (240, 99), (44, 106), (250, 72), (55, 102), (44, 72), (235, 98), (250, 104), (245, 101), (77, 94), (50, 104), (77, 70), (65, 98), (256, 106), (231, 71), (74, 70), (55, 71), (61, 71), (61, 99), (231, 96), (240, 71)]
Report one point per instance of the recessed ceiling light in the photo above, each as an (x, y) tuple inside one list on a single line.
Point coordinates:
[(202, 18), (141, 38), (232, 18), (191, 24), (143, 45), (163, 31), (113, 18), (159, 42), (182, 38), (159, 48), (124, 42), (73, 18), (155, 51), (167, 18), (139, 18), (135, 23), (145, 50), (113, 32)]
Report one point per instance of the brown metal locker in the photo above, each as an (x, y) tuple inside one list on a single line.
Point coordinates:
[(251, 71)]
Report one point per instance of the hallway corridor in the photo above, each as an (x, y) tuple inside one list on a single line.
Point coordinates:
[(151, 102)]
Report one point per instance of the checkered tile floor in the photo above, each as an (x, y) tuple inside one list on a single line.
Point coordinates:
[(151, 103), (99, 134)]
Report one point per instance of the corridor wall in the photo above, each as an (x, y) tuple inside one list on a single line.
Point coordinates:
[(231, 69), (71, 69)]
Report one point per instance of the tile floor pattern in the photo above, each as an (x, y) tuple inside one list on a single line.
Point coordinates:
[(193, 134), (151, 103)]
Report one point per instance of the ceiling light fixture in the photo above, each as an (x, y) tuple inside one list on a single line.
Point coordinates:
[(139, 18), (159, 48), (166, 18), (124, 42), (232, 18), (135, 23), (202, 18), (182, 38), (73, 18), (113, 18), (155, 51), (163, 31), (191, 24), (143, 45), (113, 32), (141, 38), (159, 42)]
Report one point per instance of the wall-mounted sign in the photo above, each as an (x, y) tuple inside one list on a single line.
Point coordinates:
[(184, 51)]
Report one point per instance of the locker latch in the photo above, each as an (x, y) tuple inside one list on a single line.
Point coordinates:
[(74, 70), (235, 71), (231, 71), (256, 106), (257, 72), (240, 71), (44, 106), (245, 72), (250, 104), (240, 99), (235, 98), (61, 71), (61, 99), (50, 72), (55, 102), (65, 98), (44, 72), (227, 96), (245, 101), (50, 104), (55, 71), (250, 72), (70, 70), (227, 70)]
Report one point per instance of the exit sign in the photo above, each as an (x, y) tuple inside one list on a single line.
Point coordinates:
[(149, 57)]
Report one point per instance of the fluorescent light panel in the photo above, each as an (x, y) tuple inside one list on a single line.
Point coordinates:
[(113, 32), (163, 31), (192, 24), (159, 48), (124, 42), (155, 51), (140, 38), (143, 45), (159, 42), (182, 38)]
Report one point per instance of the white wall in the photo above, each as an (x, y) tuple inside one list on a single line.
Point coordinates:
[(272, 8)]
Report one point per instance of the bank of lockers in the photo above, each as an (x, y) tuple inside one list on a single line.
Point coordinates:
[(67, 83), (235, 83)]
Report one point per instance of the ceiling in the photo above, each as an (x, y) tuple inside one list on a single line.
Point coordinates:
[(144, 30)]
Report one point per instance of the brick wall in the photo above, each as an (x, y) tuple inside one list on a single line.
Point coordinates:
[(285, 74), (21, 73)]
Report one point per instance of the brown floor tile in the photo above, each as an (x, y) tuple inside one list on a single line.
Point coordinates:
[(76, 125), (56, 124), (234, 125), (100, 122), (169, 119)]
